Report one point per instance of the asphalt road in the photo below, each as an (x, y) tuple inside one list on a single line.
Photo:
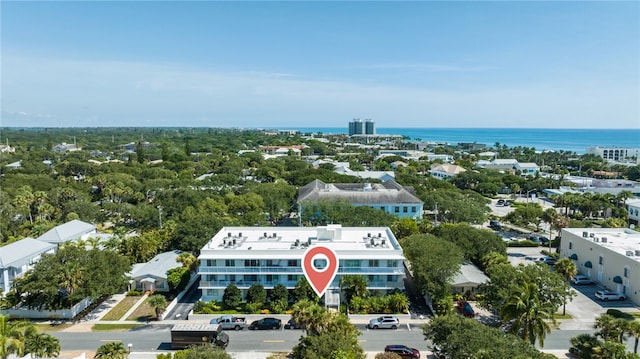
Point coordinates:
[(158, 337)]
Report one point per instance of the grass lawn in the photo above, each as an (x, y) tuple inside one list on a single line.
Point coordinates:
[(43, 328), (144, 312), (560, 316), (115, 327), (121, 308)]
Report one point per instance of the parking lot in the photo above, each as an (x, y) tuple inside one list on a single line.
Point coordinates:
[(584, 308)]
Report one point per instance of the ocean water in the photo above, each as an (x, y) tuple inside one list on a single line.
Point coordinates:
[(574, 140)]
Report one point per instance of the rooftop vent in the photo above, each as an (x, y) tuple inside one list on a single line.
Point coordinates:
[(637, 252), (629, 253), (585, 234), (592, 235), (367, 187), (229, 234), (604, 239)]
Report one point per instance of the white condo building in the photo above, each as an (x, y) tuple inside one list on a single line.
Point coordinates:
[(609, 256), (272, 255)]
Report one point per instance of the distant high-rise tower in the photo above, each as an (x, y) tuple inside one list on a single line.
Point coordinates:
[(355, 127), (369, 127)]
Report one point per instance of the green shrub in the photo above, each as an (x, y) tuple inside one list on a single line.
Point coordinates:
[(620, 314), (134, 293), (525, 243)]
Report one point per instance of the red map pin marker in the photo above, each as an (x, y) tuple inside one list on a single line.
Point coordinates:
[(320, 278)]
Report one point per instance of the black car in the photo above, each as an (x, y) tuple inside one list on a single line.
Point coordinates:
[(266, 323), (403, 351), (495, 225), (291, 324)]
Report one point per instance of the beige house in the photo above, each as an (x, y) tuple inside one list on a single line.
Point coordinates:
[(609, 256)]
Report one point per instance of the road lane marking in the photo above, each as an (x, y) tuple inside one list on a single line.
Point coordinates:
[(273, 341)]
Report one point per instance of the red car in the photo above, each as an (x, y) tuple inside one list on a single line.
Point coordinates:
[(403, 351)]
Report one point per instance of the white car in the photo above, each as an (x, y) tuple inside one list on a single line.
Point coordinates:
[(582, 280), (606, 295)]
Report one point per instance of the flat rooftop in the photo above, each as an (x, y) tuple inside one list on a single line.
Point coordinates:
[(335, 237), (619, 240)]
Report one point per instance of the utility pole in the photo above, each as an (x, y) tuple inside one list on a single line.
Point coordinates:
[(436, 215), (160, 216)]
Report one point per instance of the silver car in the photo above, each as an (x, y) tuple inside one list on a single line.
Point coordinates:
[(384, 322), (582, 280)]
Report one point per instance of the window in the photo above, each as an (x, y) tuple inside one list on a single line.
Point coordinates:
[(250, 278), (211, 263), (396, 209), (230, 262), (373, 263), (211, 277), (272, 278), (320, 263), (391, 278), (600, 260), (370, 278), (271, 263), (626, 272), (292, 277), (405, 209), (382, 208), (413, 209), (232, 277), (251, 263), (351, 263), (570, 245), (392, 263), (292, 263)]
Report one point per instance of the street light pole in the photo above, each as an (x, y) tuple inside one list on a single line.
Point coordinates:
[(160, 216)]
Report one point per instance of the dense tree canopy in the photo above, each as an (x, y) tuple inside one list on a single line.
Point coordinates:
[(434, 261), (71, 274)]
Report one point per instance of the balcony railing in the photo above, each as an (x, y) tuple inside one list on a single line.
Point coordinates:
[(298, 270)]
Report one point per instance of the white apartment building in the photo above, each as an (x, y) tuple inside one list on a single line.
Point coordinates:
[(271, 255), (616, 154), (633, 211), (609, 256)]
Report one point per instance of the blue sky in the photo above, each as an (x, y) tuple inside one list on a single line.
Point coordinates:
[(287, 64)]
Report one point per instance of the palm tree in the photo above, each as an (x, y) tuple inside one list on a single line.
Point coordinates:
[(310, 316), (12, 339), (634, 329), (567, 269), (353, 285), (159, 303), (42, 345), (611, 329), (111, 350), (188, 261), (528, 313)]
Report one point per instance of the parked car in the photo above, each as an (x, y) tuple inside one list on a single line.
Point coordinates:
[(403, 351), (549, 260), (495, 225), (384, 322), (266, 323), (291, 324), (606, 295), (229, 322), (501, 202), (582, 280), (538, 239)]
